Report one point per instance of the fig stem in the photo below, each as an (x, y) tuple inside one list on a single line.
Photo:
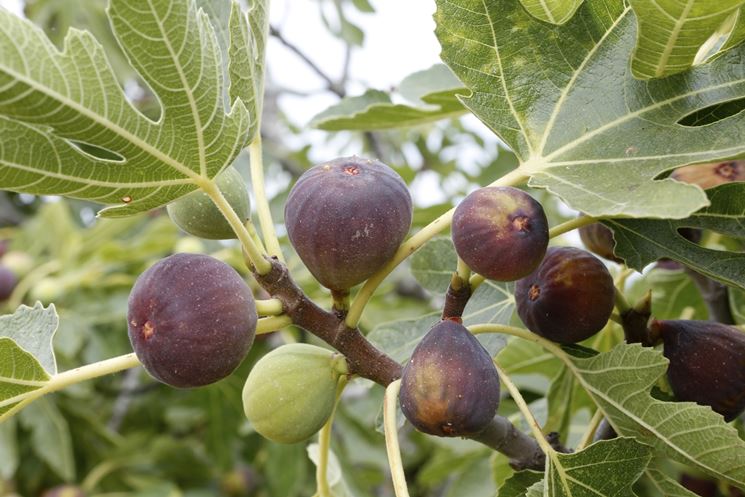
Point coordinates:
[(570, 225), (324, 444), (256, 257), (414, 243), (622, 304), (272, 324), (475, 281), (263, 211), (591, 428), (463, 271), (269, 307), (391, 439), (458, 293)]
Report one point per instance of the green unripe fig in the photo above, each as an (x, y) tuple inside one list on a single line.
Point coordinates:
[(196, 214), (290, 393)]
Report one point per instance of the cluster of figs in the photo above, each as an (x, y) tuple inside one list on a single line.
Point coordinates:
[(192, 318)]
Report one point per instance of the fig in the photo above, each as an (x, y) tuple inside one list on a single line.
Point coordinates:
[(598, 239), (8, 282), (712, 174), (64, 491), (707, 363), (290, 393), (500, 232), (568, 298), (197, 215), (191, 320), (4, 247), (346, 219), (449, 387)]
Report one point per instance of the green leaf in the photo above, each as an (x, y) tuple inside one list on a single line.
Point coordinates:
[(665, 485), (642, 241), (248, 33), (433, 265), (565, 100), (620, 382), (560, 397), (9, 456), (491, 302), (608, 467), (50, 437), (432, 94), (737, 35), (20, 374), (398, 338), (675, 296), (737, 304), (47, 107), (334, 476), (518, 484), (524, 357), (553, 11), (32, 329), (672, 31)]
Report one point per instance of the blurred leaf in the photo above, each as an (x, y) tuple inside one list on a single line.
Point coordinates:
[(737, 35), (9, 457), (524, 357), (737, 304), (50, 437), (518, 484), (335, 478), (286, 470), (474, 481), (667, 486), (32, 329), (553, 11), (675, 296), (433, 265), (398, 338)]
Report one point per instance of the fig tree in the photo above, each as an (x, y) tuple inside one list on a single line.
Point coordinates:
[(191, 320), (449, 387), (568, 298), (290, 392), (500, 232), (598, 239), (707, 363), (8, 282), (346, 219), (197, 215)]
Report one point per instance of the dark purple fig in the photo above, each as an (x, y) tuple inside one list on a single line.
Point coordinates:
[(64, 491), (191, 320), (346, 219), (449, 387), (707, 363), (700, 486), (500, 232), (598, 239), (8, 282), (712, 174), (568, 298)]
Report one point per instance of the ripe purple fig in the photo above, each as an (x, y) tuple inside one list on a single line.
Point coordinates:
[(598, 239), (707, 363), (712, 174), (500, 232), (449, 387), (8, 282), (191, 320), (568, 298), (346, 219)]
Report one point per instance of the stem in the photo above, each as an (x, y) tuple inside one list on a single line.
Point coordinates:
[(570, 225), (254, 254), (262, 203), (475, 281), (591, 428), (410, 246), (522, 333), (269, 307), (272, 324), (391, 440), (458, 293), (324, 444), (621, 303), (462, 269)]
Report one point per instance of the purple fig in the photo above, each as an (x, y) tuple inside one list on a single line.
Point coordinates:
[(568, 298), (707, 363), (8, 282), (598, 239), (500, 232), (449, 387)]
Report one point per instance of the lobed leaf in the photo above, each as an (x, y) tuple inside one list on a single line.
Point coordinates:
[(20, 374), (32, 329), (553, 11)]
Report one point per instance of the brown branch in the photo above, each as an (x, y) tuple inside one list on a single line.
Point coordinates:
[(456, 298), (715, 295)]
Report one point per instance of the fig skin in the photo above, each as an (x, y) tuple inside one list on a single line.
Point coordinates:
[(707, 363), (598, 239), (568, 298), (8, 282), (711, 174), (449, 387), (500, 232), (197, 215), (346, 218), (291, 391), (191, 320)]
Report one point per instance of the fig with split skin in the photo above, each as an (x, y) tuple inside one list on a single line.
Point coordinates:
[(198, 215), (450, 386), (191, 320), (707, 363), (346, 218), (568, 298), (500, 232), (291, 391)]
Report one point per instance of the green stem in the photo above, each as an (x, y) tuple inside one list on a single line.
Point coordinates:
[(621, 303), (591, 428), (269, 307), (262, 202), (476, 281), (254, 253), (391, 439), (271, 324), (570, 225), (324, 446), (410, 246), (464, 272), (522, 333)]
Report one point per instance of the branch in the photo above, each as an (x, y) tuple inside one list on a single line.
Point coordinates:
[(715, 295)]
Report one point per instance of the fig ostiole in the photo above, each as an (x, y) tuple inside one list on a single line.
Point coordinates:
[(568, 298), (191, 320), (346, 218), (707, 363), (198, 215), (500, 232), (290, 392), (449, 386)]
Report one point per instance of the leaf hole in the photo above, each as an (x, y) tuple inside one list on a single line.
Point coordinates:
[(713, 113), (96, 152)]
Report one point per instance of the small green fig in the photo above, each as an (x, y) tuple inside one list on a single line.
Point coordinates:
[(191, 320), (290, 393), (449, 387), (568, 298), (346, 218), (8, 282), (197, 215), (598, 239), (707, 363), (500, 232)]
